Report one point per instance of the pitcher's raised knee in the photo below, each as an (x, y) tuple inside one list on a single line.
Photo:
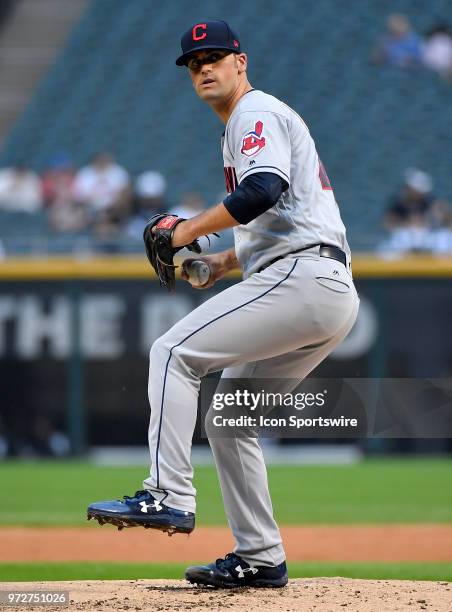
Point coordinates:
[(160, 351)]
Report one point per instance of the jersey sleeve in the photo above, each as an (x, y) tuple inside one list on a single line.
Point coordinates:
[(260, 142)]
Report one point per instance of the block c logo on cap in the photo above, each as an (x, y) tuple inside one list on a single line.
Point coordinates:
[(199, 26)]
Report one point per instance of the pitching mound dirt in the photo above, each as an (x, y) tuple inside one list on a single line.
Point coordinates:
[(321, 594)]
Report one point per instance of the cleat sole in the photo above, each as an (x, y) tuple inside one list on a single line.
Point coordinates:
[(126, 524), (221, 585)]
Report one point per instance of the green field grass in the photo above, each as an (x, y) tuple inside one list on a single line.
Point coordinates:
[(374, 491), (28, 572)]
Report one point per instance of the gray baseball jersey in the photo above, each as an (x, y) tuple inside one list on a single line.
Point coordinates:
[(265, 135)]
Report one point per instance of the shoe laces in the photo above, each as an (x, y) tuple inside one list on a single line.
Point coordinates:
[(229, 562), (137, 494)]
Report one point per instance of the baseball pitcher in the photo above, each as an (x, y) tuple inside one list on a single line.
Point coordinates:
[(295, 304)]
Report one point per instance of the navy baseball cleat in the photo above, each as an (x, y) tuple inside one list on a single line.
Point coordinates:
[(232, 572), (142, 510)]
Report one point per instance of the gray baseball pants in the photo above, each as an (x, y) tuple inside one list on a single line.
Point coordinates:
[(279, 323)]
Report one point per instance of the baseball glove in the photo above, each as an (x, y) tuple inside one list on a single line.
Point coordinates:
[(157, 236)]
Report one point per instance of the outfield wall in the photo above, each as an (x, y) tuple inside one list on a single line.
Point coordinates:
[(75, 337)]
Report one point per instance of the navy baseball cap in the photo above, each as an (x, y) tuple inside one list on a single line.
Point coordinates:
[(208, 35)]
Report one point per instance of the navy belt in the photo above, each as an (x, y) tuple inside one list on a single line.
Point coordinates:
[(325, 250)]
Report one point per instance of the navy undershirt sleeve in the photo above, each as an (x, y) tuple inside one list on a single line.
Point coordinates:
[(255, 194)]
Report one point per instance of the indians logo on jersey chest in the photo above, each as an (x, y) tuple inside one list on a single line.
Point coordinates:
[(253, 142)]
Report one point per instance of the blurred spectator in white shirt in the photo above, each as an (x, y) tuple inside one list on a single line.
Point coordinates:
[(102, 185), (149, 199), (20, 190), (437, 51)]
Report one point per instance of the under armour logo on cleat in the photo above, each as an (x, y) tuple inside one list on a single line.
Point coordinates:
[(145, 506), (241, 572)]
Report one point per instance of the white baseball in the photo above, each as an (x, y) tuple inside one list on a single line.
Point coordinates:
[(198, 273)]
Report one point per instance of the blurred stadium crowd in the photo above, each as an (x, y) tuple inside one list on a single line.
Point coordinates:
[(402, 46), (416, 220), (100, 207), (97, 207), (378, 112)]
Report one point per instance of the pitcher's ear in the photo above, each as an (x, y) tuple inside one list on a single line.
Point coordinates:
[(242, 62)]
